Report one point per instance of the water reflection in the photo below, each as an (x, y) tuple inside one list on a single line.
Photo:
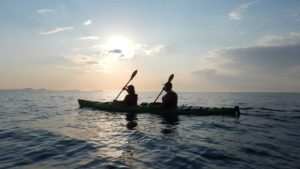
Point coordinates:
[(170, 121), (131, 120)]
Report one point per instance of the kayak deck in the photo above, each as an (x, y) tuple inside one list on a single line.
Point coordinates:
[(145, 108)]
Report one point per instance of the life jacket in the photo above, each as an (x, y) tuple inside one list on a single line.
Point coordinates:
[(170, 100), (130, 100)]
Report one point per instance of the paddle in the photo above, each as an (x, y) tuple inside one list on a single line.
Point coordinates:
[(169, 80), (132, 76)]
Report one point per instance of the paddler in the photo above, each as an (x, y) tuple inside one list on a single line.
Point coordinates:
[(170, 99), (131, 98)]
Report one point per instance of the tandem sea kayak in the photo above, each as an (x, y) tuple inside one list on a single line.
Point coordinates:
[(145, 108)]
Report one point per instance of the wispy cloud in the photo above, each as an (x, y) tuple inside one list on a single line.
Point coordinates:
[(82, 60), (236, 14), (297, 17), (106, 57), (88, 22), (115, 51), (275, 40), (89, 38), (272, 63), (46, 11), (92, 63), (55, 30), (147, 50), (130, 51)]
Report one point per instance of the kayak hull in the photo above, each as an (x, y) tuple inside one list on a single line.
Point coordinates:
[(145, 108)]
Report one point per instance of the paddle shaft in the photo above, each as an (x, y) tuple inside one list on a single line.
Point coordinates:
[(158, 95), (122, 90), (169, 80), (132, 76)]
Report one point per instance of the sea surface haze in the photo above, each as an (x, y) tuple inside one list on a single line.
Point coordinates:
[(47, 129)]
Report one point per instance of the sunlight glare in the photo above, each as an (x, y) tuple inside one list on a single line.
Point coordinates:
[(115, 48), (123, 44)]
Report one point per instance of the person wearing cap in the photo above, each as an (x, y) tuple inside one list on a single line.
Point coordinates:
[(170, 99), (131, 98)]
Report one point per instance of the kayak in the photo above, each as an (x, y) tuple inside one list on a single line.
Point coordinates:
[(146, 108)]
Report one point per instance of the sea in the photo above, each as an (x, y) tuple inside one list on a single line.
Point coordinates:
[(47, 129)]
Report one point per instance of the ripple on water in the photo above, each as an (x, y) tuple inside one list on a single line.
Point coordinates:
[(47, 130), (35, 147)]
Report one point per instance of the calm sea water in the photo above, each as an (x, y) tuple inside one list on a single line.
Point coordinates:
[(46, 129)]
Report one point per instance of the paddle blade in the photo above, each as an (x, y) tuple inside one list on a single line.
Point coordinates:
[(171, 78), (133, 74)]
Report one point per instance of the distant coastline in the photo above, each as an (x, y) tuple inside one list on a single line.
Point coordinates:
[(48, 90)]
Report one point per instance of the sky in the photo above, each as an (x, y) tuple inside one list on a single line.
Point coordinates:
[(209, 45)]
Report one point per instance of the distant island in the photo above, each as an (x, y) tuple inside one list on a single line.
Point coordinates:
[(24, 89)]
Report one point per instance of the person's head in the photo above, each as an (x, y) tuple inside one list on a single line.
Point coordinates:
[(168, 87), (130, 89)]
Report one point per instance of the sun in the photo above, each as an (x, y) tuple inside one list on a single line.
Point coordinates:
[(115, 48), (120, 45), (118, 42)]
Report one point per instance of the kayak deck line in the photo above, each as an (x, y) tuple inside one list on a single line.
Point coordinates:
[(145, 108)]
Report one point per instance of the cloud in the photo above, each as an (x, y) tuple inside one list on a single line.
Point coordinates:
[(87, 23), (273, 62), (46, 11), (274, 40), (115, 51), (131, 51), (82, 60), (257, 58), (55, 30), (236, 14), (297, 17), (89, 38), (144, 49), (106, 56)]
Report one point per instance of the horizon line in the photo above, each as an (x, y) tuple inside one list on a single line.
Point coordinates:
[(101, 90)]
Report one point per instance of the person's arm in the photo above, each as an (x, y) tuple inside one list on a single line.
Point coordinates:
[(126, 100), (167, 101), (174, 100)]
